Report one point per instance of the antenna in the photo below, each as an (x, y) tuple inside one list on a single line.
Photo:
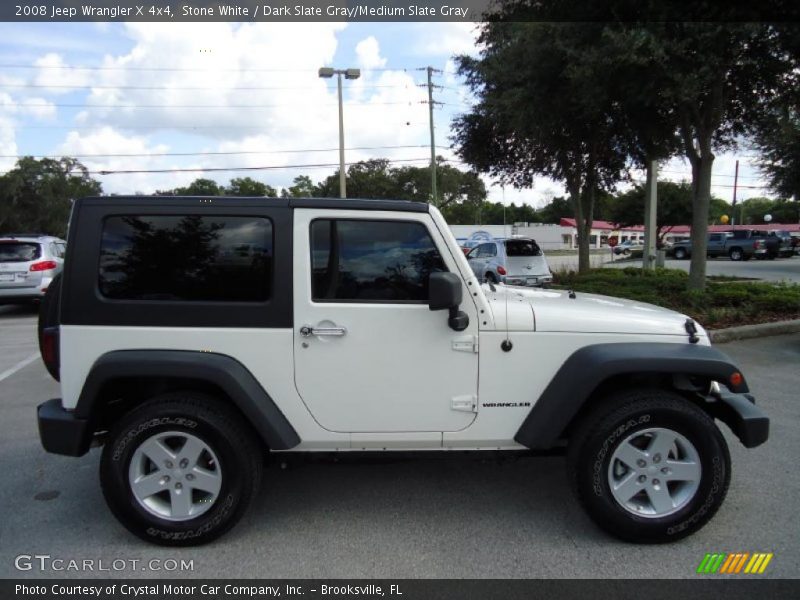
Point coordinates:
[(506, 344)]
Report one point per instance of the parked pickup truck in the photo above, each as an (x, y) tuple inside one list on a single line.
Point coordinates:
[(741, 244), (779, 243)]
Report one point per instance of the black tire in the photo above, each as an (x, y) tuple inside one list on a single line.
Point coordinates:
[(681, 254), (736, 254), (49, 317), (239, 453), (601, 432), (491, 278)]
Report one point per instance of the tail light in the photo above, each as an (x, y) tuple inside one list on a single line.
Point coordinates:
[(45, 265), (50, 353), (501, 270)]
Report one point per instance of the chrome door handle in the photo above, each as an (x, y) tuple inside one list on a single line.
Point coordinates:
[(307, 330)]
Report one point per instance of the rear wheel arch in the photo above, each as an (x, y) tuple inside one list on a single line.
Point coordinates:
[(121, 381)]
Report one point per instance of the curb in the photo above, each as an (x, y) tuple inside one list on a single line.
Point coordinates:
[(746, 332)]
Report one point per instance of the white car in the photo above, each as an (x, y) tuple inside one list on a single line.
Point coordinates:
[(515, 261), (28, 263), (359, 325)]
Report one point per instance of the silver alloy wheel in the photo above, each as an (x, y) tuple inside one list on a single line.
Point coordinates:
[(175, 475), (654, 472)]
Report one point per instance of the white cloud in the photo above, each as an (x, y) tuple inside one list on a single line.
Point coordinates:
[(8, 143), (214, 61), (446, 39), (369, 54), (54, 75), (107, 141)]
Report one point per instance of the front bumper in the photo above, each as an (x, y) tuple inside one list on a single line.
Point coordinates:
[(739, 412), (61, 432)]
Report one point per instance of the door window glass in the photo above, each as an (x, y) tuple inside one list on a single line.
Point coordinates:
[(371, 261)]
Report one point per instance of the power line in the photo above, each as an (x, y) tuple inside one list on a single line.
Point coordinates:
[(294, 104), (191, 69), (230, 153), (182, 88), (216, 169), (165, 126)]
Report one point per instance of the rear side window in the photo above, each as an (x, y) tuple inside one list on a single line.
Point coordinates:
[(186, 258), (19, 251), (371, 261), (523, 248)]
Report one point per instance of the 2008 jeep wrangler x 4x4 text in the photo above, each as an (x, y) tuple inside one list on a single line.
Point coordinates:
[(193, 335)]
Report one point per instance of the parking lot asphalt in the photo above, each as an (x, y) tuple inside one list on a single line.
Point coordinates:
[(439, 517), (782, 269)]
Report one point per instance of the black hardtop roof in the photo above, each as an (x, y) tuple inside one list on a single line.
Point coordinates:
[(216, 201)]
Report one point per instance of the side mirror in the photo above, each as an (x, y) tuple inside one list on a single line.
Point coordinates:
[(445, 292)]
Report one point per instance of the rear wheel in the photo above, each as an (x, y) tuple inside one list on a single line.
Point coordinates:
[(490, 277), (181, 469), (736, 254), (649, 466)]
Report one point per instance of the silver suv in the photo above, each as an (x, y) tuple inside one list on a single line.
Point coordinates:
[(28, 263), (513, 261)]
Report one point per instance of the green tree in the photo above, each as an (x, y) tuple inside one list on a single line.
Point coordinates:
[(706, 69), (365, 179), (303, 188), (375, 178), (674, 207), (36, 195), (753, 210), (777, 138), (542, 110), (200, 187), (453, 185), (247, 186), (555, 210)]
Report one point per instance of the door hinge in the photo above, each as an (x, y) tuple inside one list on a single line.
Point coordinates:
[(467, 343), (465, 403)]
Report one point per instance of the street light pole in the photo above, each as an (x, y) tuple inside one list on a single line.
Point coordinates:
[(327, 73), (342, 178)]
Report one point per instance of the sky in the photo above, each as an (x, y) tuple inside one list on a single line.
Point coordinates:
[(222, 95)]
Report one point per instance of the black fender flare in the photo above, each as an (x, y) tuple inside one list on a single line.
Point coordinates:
[(589, 366), (221, 370)]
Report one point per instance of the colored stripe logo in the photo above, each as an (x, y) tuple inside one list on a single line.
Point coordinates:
[(734, 563)]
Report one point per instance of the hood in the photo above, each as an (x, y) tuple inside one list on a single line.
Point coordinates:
[(554, 310)]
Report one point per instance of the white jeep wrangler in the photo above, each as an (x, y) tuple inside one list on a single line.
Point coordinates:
[(192, 336)]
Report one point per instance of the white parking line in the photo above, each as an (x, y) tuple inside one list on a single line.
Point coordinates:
[(20, 365)]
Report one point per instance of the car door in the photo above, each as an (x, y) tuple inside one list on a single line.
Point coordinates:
[(370, 356), (716, 244)]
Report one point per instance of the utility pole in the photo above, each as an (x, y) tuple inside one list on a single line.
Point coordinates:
[(735, 186), (434, 193), (650, 214)]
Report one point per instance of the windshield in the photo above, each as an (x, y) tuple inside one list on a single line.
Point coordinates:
[(18, 251), (522, 248)]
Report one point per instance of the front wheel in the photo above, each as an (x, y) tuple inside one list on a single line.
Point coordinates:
[(649, 466), (680, 254), (180, 470)]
